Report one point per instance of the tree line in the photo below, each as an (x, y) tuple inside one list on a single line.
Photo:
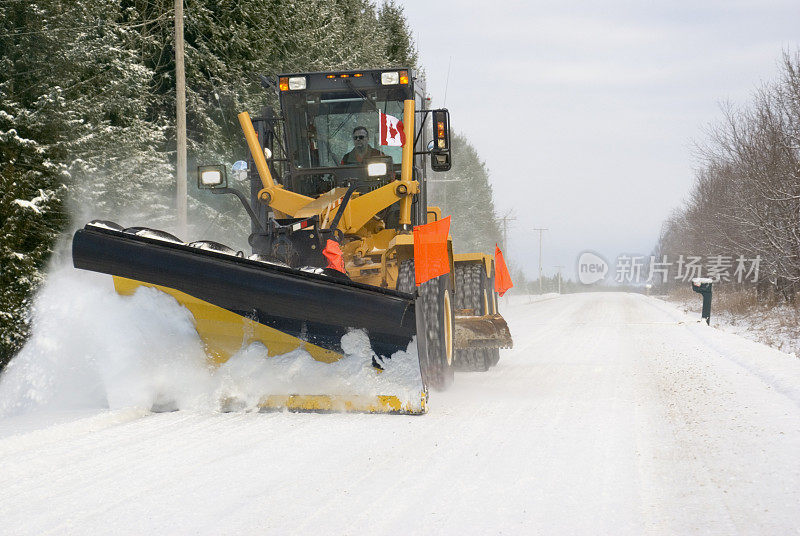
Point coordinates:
[(87, 111), (465, 192), (743, 212), (87, 100)]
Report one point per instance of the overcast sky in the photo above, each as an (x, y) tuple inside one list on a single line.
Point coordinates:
[(586, 112)]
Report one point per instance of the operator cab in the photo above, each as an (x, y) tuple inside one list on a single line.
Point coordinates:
[(339, 134), (321, 112)]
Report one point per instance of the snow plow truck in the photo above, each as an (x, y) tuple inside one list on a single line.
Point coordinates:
[(342, 239)]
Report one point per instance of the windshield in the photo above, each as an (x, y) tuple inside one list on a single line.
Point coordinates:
[(321, 127)]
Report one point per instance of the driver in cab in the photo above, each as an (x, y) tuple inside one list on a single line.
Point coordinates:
[(361, 150)]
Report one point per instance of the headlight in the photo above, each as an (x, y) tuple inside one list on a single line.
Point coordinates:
[(212, 177), (297, 82), (392, 77), (377, 169)]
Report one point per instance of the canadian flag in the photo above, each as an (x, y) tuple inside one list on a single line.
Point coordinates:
[(391, 130)]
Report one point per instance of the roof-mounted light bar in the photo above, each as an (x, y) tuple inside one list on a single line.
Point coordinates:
[(297, 83), (344, 75)]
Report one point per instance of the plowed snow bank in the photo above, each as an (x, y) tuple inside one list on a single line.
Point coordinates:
[(94, 348)]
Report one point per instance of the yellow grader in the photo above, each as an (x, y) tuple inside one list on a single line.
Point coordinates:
[(341, 239)]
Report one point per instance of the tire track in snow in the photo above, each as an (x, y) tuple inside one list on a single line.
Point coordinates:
[(210, 440), (608, 417), (14, 444)]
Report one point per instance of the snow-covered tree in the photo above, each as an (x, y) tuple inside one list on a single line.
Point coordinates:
[(465, 193), (87, 108), (400, 50)]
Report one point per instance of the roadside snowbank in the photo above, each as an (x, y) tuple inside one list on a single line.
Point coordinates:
[(775, 326), (92, 348)]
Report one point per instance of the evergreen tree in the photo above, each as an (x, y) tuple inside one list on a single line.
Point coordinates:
[(87, 106), (31, 213), (31, 195), (400, 50), (465, 193)]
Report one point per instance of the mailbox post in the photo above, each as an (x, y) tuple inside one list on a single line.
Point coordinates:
[(702, 285)]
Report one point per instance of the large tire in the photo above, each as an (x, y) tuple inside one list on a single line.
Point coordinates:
[(470, 295), (436, 326)]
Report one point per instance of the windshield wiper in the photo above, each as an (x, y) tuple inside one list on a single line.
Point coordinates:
[(357, 92)]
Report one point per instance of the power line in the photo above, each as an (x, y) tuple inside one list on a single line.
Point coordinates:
[(507, 218)]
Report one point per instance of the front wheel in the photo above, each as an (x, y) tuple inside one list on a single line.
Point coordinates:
[(435, 326)]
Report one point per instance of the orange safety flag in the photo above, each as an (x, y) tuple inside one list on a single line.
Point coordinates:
[(333, 253), (502, 279), (430, 250)]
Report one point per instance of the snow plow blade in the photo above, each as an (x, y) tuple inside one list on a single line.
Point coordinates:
[(236, 301), (487, 331)]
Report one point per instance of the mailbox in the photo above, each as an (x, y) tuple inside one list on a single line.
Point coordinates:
[(702, 285)]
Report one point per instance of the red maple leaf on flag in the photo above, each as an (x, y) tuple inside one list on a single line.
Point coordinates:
[(391, 130)]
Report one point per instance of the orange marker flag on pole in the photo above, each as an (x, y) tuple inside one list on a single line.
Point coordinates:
[(333, 253), (502, 279), (430, 250)]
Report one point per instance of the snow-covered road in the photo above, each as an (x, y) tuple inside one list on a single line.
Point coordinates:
[(614, 414)]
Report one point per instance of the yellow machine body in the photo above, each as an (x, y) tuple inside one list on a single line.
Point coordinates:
[(372, 253)]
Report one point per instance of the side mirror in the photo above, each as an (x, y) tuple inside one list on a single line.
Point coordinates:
[(440, 153), (211, 177), (240, 170)]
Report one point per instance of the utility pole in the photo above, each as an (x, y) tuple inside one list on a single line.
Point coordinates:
[(180, 121), (541, 230), (559, 267), (507, 218)]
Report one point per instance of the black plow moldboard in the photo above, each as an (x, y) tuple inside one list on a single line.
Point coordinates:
[(304, 304)]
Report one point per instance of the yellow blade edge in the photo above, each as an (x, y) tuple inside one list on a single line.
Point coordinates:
[(344, 403)]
